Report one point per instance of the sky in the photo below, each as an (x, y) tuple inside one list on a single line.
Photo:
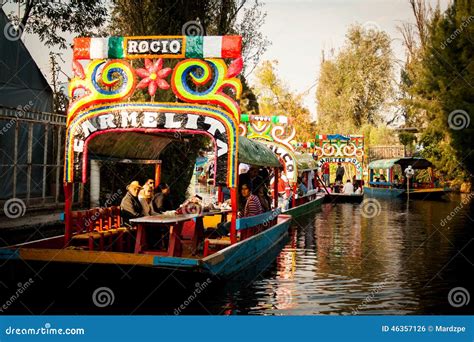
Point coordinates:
[(299, 31)]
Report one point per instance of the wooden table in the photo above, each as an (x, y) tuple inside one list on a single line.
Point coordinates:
[(173, 222), (175, 225)]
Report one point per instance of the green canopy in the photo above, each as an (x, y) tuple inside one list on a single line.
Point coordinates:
[(254, 153), (305, 162), (416, 163)]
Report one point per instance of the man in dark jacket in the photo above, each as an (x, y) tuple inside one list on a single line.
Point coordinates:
[(339, 172), (130, 205)]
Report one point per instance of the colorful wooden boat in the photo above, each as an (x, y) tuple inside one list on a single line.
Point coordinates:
[(423, 185), (275, 132), (103, 123)]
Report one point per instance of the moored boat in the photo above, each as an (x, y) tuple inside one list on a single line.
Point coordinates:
[(387, 179)]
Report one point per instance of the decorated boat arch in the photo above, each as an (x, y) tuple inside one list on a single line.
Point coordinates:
[(275, 132), (337, 148), (104, 119)]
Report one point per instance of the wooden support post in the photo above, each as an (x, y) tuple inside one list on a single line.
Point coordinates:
[(235, 209), (220, 194), (293, 198), (157, 173), (275, 188), (68, 198)]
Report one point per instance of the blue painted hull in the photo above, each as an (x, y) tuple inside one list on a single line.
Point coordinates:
[(383, 192), (236, 258)]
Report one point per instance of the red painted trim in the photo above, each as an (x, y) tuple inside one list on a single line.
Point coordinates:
[(275, 188), (233, 222), (68, 194)]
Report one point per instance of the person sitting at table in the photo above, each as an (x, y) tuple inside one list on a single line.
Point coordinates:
[(161, 201), (145, 196), (348, 188), (382, 178), (130, 206)]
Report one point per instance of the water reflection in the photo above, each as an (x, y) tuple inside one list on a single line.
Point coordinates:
[(340, 261)]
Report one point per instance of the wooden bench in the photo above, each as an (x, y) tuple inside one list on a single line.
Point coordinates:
[(101, 226)]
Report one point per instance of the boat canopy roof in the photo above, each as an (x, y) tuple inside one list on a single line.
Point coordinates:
[(416, 163), (140, 146), (255, 153), (305, 162)]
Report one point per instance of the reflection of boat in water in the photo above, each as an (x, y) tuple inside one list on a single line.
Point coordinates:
[(103, 124), (386, 178)]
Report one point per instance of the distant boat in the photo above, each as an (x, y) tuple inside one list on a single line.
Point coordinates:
[(344, 198), (391, 182)]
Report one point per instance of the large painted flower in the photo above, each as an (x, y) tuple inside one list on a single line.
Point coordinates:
[(153, 76)]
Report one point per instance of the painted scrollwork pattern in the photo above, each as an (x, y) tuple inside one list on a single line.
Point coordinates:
[(102, 81), (208, 80)]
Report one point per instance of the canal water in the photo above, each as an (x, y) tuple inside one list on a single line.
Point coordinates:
[(378, 257)]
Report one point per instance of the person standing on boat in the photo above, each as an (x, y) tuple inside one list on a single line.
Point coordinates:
[(325, 171), (339, 172), (348, 188), (130, 206)]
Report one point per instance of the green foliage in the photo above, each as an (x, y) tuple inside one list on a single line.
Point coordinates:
[(440, 85), (276, 98), (356, 85), (51, 20)]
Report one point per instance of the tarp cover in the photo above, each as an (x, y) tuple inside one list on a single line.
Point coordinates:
[(416, 163), (305, 162), (254, 153), (21, 81)]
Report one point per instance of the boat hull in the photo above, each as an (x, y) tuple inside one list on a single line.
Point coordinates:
[(433, 193), (305, 208), (344, 198)]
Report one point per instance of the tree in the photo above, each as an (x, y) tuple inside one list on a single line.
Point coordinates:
[(356, 86), (275, 98), (50, 20), (439, 85)]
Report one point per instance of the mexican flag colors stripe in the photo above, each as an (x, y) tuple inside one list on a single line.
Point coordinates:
[(156, 46)]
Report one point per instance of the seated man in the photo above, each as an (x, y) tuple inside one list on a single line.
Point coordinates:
[(348, 188), (301, 189), (130, 206)]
